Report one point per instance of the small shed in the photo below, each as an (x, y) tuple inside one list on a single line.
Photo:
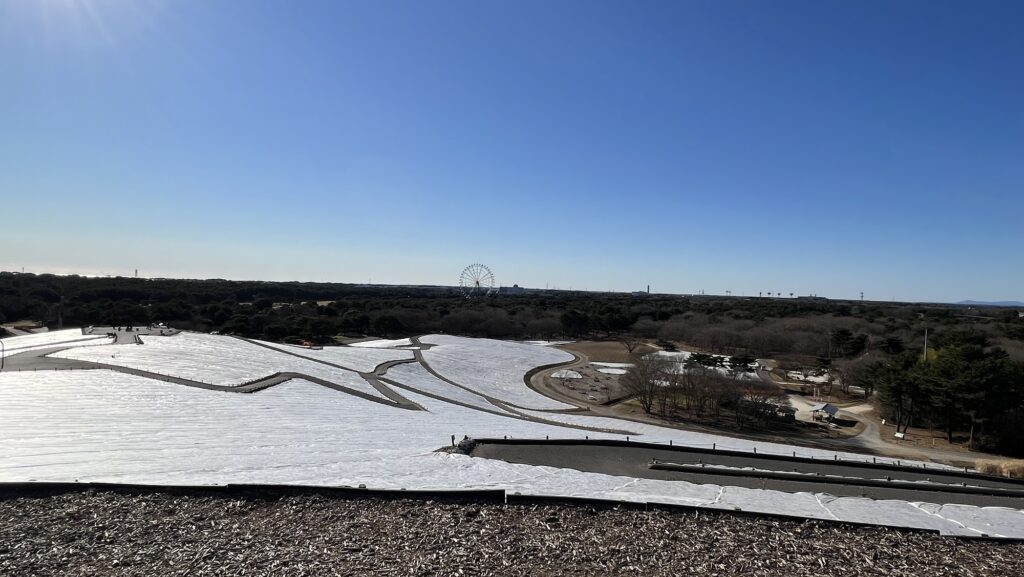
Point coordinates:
[(824, 411)]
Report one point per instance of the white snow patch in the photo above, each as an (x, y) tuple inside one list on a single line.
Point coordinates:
[(35, 341), (992, 521), (890, 512), (566, 374), (549, 343), (613, 371), (383, 344)]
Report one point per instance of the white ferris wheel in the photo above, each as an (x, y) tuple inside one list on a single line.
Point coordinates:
[(477, 280)]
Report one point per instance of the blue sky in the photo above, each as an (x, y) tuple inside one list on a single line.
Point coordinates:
[(806, 147)]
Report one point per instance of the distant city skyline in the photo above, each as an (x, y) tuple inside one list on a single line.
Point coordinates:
[(805, 147)]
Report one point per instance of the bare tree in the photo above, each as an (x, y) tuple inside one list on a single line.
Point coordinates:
[(631, 343), (761, 400), (644, 380)]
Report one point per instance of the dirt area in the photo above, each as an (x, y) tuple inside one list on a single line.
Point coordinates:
[(115, 534), (927, 438), (605, 351), (593, 388), (792, 432)]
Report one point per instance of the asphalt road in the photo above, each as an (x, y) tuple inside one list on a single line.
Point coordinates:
[(763, 472)]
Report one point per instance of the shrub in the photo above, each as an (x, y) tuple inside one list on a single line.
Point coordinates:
[(1009, 468), (1013, 469), (988, 467)]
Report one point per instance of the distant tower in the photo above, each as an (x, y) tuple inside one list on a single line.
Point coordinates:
[(861, 296), (136, 273), (648, 289)]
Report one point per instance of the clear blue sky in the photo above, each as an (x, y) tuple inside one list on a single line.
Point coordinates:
[(813, 147)]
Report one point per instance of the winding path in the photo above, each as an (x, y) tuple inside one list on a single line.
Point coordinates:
[(39, 360)]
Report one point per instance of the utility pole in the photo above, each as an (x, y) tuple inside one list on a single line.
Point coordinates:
[(60, 309), (924, 356)]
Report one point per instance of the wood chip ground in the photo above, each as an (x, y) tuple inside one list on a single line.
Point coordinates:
[(110, 533)]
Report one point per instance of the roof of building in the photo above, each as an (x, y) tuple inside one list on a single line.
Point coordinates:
[(825, 408)]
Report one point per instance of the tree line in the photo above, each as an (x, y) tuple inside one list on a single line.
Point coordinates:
[(961, 384), (706, 388)]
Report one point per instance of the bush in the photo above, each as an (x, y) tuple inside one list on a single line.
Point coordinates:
[(988, 467), (1013, 469)]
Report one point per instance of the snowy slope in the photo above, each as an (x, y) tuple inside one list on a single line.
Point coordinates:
[(106, 426), (20, 344), (363, 359), (494, 368), (221, 360), (417, 377)]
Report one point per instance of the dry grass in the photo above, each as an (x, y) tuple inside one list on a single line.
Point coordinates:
[(1013, 469), (606, 351)]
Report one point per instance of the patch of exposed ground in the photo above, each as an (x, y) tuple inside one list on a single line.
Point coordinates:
[(605, 351), (106, 533)]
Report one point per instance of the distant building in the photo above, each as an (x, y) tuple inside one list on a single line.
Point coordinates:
[(642, 293), (512, 290)]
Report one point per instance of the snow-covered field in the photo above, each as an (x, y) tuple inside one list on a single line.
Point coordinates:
[(20, 344), (363, 359), (383, 344), (102, 425), (494, 368), (220, 360), (417, 377)]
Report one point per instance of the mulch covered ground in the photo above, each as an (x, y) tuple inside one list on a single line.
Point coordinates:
[(113, 533)]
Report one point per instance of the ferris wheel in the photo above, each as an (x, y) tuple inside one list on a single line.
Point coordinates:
[(477, 280)]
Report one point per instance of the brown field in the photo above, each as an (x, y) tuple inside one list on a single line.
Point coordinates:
[(605, 351)]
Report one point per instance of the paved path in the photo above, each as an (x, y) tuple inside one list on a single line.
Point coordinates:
[(734, 468), (37, 360)]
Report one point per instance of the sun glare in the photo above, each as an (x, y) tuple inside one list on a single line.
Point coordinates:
[(82, 22)]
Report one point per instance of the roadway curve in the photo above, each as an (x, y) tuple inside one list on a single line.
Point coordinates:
[(38, 360)]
